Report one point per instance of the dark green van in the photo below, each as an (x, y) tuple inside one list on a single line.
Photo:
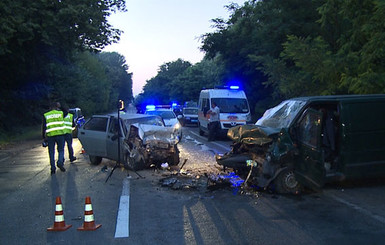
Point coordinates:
[(311, 141)]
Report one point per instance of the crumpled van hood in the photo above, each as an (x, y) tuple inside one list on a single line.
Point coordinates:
[(252, 134)]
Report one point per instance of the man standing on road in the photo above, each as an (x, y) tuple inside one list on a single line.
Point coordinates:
[(214, 124), (53, 134), (69, 124)]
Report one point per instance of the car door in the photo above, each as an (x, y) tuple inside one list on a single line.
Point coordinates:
[(93, 136), (309, 166), (112, 140)]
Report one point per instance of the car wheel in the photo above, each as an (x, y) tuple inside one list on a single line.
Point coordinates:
[(133, 163), (286, 183), (95, 160), (174, 159)]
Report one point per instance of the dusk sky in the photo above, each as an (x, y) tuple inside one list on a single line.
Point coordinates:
[(156, 32)]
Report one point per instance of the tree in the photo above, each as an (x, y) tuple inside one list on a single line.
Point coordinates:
[(116, 70), (158, 90), (253, 35), (40, 46)]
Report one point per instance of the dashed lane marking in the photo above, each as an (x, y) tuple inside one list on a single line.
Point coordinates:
[(123, 220)]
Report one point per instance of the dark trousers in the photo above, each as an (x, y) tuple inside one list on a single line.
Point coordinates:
[(68, 140), (59, 141), (213, 130)]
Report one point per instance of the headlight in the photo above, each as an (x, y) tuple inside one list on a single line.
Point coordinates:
[(177, 126)]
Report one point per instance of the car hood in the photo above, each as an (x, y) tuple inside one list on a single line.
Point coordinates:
[(252, 134), (170, 122), (150, 133)]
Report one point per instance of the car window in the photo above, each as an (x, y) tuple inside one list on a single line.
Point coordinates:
[(190, 111), (163, 114), (113, 127), (309, 128), (152, 120), (96, 124)]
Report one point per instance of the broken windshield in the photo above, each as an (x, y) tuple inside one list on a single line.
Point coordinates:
[(282, 115)]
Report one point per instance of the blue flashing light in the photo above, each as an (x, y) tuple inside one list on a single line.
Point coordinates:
[(234, 87), (150, 107), (174, 104)]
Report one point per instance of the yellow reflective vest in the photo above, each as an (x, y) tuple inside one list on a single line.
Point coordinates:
[(54, 123), (68, 123)]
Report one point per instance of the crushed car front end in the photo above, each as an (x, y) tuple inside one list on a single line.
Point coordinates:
[(152, 144), (263, 154)]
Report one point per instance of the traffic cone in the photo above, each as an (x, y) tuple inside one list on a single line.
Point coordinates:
[(89, 223), (59, 224)]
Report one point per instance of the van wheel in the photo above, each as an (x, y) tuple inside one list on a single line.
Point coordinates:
[(95, 160), (201, 132), (286, 183)]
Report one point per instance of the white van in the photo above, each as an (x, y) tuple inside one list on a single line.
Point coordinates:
[(233, 105)]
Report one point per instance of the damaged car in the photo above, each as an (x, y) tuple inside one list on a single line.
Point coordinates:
[(309, 141), (136, 140), (146, 145)]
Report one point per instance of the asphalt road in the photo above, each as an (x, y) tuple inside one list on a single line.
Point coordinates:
[(150, 213)]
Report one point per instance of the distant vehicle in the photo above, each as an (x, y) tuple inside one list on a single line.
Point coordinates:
[(144, 140), (309, 141), (190, 116), (78, 119), (169, 118), (233, 105)]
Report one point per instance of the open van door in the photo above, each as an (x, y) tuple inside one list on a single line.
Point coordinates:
[(309, 168)]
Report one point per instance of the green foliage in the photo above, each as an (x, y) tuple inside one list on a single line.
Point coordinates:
[(158, 90), (43, 57), (179, 81), (116, 70)]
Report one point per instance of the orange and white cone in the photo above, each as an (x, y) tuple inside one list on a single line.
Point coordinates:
[(89, 222), (59, 224)]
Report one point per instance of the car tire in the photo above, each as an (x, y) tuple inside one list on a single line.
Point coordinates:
[(286, 183), (95, 160), (132, 163), (174, 159)]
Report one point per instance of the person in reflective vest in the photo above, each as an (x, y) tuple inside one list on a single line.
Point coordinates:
[(69, 125), (53, 134)]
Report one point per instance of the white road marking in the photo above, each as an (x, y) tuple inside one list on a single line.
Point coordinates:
[(123, 220), (215, 143), (358, 208)]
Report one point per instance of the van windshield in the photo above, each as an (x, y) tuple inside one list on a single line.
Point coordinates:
[(282, 115), (231, 105)]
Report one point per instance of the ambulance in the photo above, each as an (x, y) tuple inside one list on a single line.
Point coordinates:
[(233, 105)]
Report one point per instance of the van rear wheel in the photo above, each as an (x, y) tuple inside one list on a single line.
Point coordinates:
[(201, 132), (286, 183)]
